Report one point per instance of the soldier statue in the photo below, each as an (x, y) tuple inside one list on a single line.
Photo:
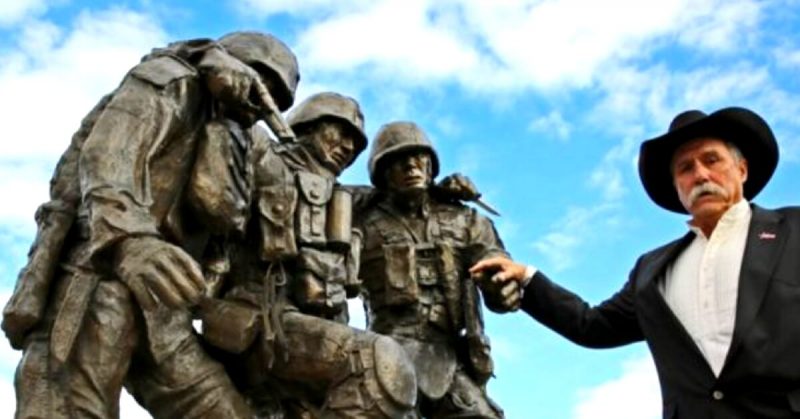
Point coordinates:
[(127, 237), (279, 319), (417, 247)]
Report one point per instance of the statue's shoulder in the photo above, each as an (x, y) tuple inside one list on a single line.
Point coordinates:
[(162, 70)]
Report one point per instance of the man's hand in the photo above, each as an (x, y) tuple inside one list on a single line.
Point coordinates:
[(155, 270), (500, 280)]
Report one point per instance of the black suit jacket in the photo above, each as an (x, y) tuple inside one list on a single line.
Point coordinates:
[(761, 374)]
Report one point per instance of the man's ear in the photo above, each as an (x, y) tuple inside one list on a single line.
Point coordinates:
[(743, 169)]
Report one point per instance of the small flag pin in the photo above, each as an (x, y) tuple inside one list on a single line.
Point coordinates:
[(766, 236)]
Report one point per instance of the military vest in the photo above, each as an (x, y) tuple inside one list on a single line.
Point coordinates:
[(413, 278)]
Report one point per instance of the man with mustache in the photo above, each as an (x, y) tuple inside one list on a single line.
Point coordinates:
[(717, 307), (418, 244)]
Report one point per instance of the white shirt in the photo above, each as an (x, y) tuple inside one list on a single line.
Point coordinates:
[(702, 284)]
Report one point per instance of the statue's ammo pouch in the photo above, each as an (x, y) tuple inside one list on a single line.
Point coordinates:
[(401, 274), (277, 200), (352, 283), (219, 189), (447, 266), (276, 205), (480, 366), (311, 213), (319, 286), (229, 325)]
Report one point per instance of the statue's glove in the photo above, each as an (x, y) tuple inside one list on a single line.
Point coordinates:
[(239, 86), (458, 187), (231, 81), (155, 270)]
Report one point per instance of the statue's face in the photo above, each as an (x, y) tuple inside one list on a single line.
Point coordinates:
[(409, 172), (333, 144)]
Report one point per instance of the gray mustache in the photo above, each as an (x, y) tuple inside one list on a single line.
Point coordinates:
[(707, 187)]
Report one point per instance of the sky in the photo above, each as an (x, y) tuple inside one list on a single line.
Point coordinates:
[(543, 104)]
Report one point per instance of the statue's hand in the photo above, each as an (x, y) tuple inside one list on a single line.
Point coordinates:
[(155, 270), (232, 82), (458, 186)]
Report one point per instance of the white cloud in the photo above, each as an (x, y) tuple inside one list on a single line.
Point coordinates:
[(571, 231), (633, 395), (559, 248), (640, 103), (16, 11), (25, 184), (8, 401), (393, 37), (552, 125), (267, 8), (787, 57), (54, 77), (508, 45), (722, 27), (608, 176)]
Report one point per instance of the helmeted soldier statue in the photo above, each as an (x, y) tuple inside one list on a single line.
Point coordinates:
[(417, 248), (103, 298), (280, 319)]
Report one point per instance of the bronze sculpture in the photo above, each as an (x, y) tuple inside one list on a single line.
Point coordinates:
[(281, 320), (417, 247), (102, 299), (171, 204)]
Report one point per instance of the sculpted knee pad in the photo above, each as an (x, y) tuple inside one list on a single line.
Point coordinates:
[(395, 375), (382, 383)]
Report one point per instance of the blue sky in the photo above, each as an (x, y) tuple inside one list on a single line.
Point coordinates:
[(542, 103)]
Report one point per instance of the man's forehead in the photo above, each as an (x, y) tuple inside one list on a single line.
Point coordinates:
[(698, 145)]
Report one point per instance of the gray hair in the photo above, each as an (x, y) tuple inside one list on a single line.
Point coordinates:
[(735, 151)]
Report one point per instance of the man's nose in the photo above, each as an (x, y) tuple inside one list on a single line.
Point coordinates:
[(700, 173)]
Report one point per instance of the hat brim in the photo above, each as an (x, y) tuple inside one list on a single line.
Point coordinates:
[(740, 126)]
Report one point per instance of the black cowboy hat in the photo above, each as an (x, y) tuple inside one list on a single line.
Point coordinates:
[(740, 126)]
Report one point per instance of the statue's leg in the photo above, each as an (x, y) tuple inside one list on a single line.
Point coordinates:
[(37, 392), (186, 383), (101, 354), (464, 400), (88, 383), (363, 374)]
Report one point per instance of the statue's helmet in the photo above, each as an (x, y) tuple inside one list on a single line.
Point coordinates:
[(395, 138), (330, 106), (266, 53)]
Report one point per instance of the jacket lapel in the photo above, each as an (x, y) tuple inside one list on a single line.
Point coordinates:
[(765, 242), (652, 276)]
